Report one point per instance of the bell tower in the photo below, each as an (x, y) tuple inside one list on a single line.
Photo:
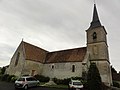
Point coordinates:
[(98, 48)]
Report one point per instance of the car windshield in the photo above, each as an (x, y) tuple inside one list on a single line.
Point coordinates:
[(21, 79), (76, 83)]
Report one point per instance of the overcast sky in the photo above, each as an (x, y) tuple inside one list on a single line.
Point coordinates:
[(56, 25)]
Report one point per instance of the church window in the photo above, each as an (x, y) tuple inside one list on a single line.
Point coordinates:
[(17, 58), (52, 66), (73, 68), (94, 35)]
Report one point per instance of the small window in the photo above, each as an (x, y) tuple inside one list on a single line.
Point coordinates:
[(21, 79), (73, 68), (52, 67), (17, 58), (77, 83), (94, 35), (28, 79), (31, 79)]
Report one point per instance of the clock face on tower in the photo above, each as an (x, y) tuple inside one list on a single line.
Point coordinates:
[(94, 35)]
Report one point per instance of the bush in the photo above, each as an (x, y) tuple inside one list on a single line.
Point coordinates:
[(3, 70), (10, 77), (1, 77), (13, 79), (116, 84), (66, 80), (42, 78), (62, 81), (77, 78), (104, 87), (4, 77)]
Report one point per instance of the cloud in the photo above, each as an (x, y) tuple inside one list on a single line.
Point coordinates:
[(55, 24)]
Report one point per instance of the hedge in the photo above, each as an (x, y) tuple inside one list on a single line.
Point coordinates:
[(42, 78), (8, 78), (66, 81)]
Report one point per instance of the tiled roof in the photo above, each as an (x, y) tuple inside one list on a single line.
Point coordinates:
[(37, 54), (70, 55), (34, 53)]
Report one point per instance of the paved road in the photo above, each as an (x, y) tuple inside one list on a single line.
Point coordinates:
[(114, 88), (10, 86), (6, 86)]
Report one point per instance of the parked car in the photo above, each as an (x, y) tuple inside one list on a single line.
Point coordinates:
[(75, 85), (25, 82)]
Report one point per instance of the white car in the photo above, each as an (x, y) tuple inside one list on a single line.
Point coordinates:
[(75, 85), (25, 82)]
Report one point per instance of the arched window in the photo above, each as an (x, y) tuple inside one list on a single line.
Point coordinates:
[(73, 68), (52, 66), (94, 35), (17, 58)]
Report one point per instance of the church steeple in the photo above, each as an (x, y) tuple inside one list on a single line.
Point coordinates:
[(97, 48), (95, 21)]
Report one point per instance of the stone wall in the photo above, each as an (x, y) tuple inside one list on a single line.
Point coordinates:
[(32, 68), (62, 70), (14, 69)]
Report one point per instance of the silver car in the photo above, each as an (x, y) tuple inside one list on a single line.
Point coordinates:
[(25, 82)]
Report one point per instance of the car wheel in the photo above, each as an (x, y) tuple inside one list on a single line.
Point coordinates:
[(37, 84), (25, 87), (15, 88), (69, 88)]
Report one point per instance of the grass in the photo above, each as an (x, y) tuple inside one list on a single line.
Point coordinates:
[(58, 86), (54, 86), (42, 83)]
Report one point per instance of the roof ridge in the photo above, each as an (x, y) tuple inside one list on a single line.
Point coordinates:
[(69, 55), (67, 49), (34, 46)]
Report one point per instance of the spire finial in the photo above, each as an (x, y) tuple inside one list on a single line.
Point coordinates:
[(95, 21), (22, 39), (94, 1)]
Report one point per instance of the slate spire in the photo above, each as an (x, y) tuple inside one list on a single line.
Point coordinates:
[(95, 21)]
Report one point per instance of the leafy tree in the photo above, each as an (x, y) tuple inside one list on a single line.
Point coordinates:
[(2, 70), (93, 78), (113, 70)]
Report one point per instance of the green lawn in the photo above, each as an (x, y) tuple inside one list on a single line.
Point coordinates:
[(54, 86), (59, 86)]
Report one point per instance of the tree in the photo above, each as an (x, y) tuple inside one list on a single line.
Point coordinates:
[(113, 70), (3, 70), (93, 78)]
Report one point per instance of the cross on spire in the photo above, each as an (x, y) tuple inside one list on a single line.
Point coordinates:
[(94, 1)]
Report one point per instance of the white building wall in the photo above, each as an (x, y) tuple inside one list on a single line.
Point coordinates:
[(16, 69), (62, 70), (30, 66)]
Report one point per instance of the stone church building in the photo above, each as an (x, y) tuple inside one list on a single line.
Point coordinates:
[(30, 60)]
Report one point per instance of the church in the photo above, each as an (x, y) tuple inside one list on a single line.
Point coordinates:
[(29, 59)]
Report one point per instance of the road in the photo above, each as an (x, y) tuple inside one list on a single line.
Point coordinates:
[(10, 86)]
